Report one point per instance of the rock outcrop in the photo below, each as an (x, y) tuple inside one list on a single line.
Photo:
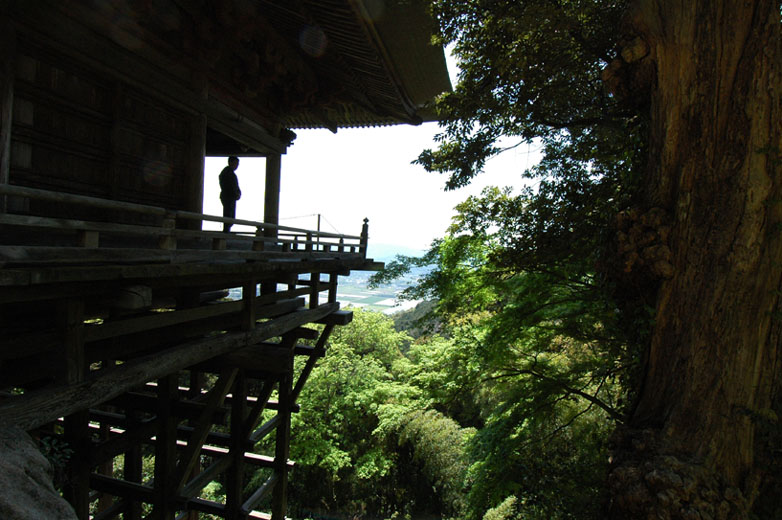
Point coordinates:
[(26, 489)]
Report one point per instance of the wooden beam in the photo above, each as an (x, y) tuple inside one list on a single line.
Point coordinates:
[(310, 364), (137, 432), (265, 429), (190, 410), (111, 329), (32, 256), (209, 474), (254, 414), (271, 359), (114, 510), (309, 350), (206, 506), (83, 200), (203, 424), (36, 408), (122, 488), (337, 318), (261, 461), (260, 493), (32, 284), (140, 335)]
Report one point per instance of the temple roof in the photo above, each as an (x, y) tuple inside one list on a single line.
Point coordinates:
[(275, 64), (376, 55)]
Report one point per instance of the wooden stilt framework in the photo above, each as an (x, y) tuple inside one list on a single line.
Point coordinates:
[(117, 339)]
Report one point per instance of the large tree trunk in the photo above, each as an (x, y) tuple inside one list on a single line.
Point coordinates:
[(693, 446)]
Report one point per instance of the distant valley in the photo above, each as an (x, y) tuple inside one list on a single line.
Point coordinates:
[(354, 289)]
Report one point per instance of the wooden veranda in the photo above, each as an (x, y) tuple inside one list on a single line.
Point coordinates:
[(121, 342), (116, 335)]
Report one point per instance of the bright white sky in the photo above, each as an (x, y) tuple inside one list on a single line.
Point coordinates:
[(364, 172), (360, 173)]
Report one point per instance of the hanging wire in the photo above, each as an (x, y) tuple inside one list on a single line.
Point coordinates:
[(337, 231), (323, 219), (300, 216)]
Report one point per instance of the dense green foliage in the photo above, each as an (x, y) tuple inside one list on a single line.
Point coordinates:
[(351, 404), (443, 429), (547, 325), (506, 410)]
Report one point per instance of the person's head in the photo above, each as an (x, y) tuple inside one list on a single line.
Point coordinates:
[(233, 162)]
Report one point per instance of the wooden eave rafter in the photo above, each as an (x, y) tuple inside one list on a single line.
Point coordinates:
[(370, 91)]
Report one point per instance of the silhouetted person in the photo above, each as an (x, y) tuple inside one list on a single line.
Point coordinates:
[(229, 190)]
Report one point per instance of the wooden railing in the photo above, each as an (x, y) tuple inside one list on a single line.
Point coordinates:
[(99, 328), (173, 236)]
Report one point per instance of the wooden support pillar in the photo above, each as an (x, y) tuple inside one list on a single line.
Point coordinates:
[(106, 467), (333, 279), (73, 370), (196, 384), (249, 300), (74, 366), (314, 289), (282, 447), (133, 470), (165, 450), (235, 473), (77, 488), (7, 67), (271, 207)]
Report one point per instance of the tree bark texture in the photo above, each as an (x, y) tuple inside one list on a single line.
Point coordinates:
[(693, 445)]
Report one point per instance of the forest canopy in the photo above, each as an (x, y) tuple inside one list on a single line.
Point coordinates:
[(605, 342), (626, 276)]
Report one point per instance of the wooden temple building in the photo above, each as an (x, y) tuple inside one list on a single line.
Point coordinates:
[(116, 336)]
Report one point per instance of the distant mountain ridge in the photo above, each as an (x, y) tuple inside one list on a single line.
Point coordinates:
[(387, 252)]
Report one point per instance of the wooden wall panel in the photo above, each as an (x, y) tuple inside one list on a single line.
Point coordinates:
[(61, 124), (7, 61), (151, 145), (79, 130)]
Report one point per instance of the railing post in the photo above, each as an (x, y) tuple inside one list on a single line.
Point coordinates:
[(364, 238), (259, 244), (314, 289), (167, 239)]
